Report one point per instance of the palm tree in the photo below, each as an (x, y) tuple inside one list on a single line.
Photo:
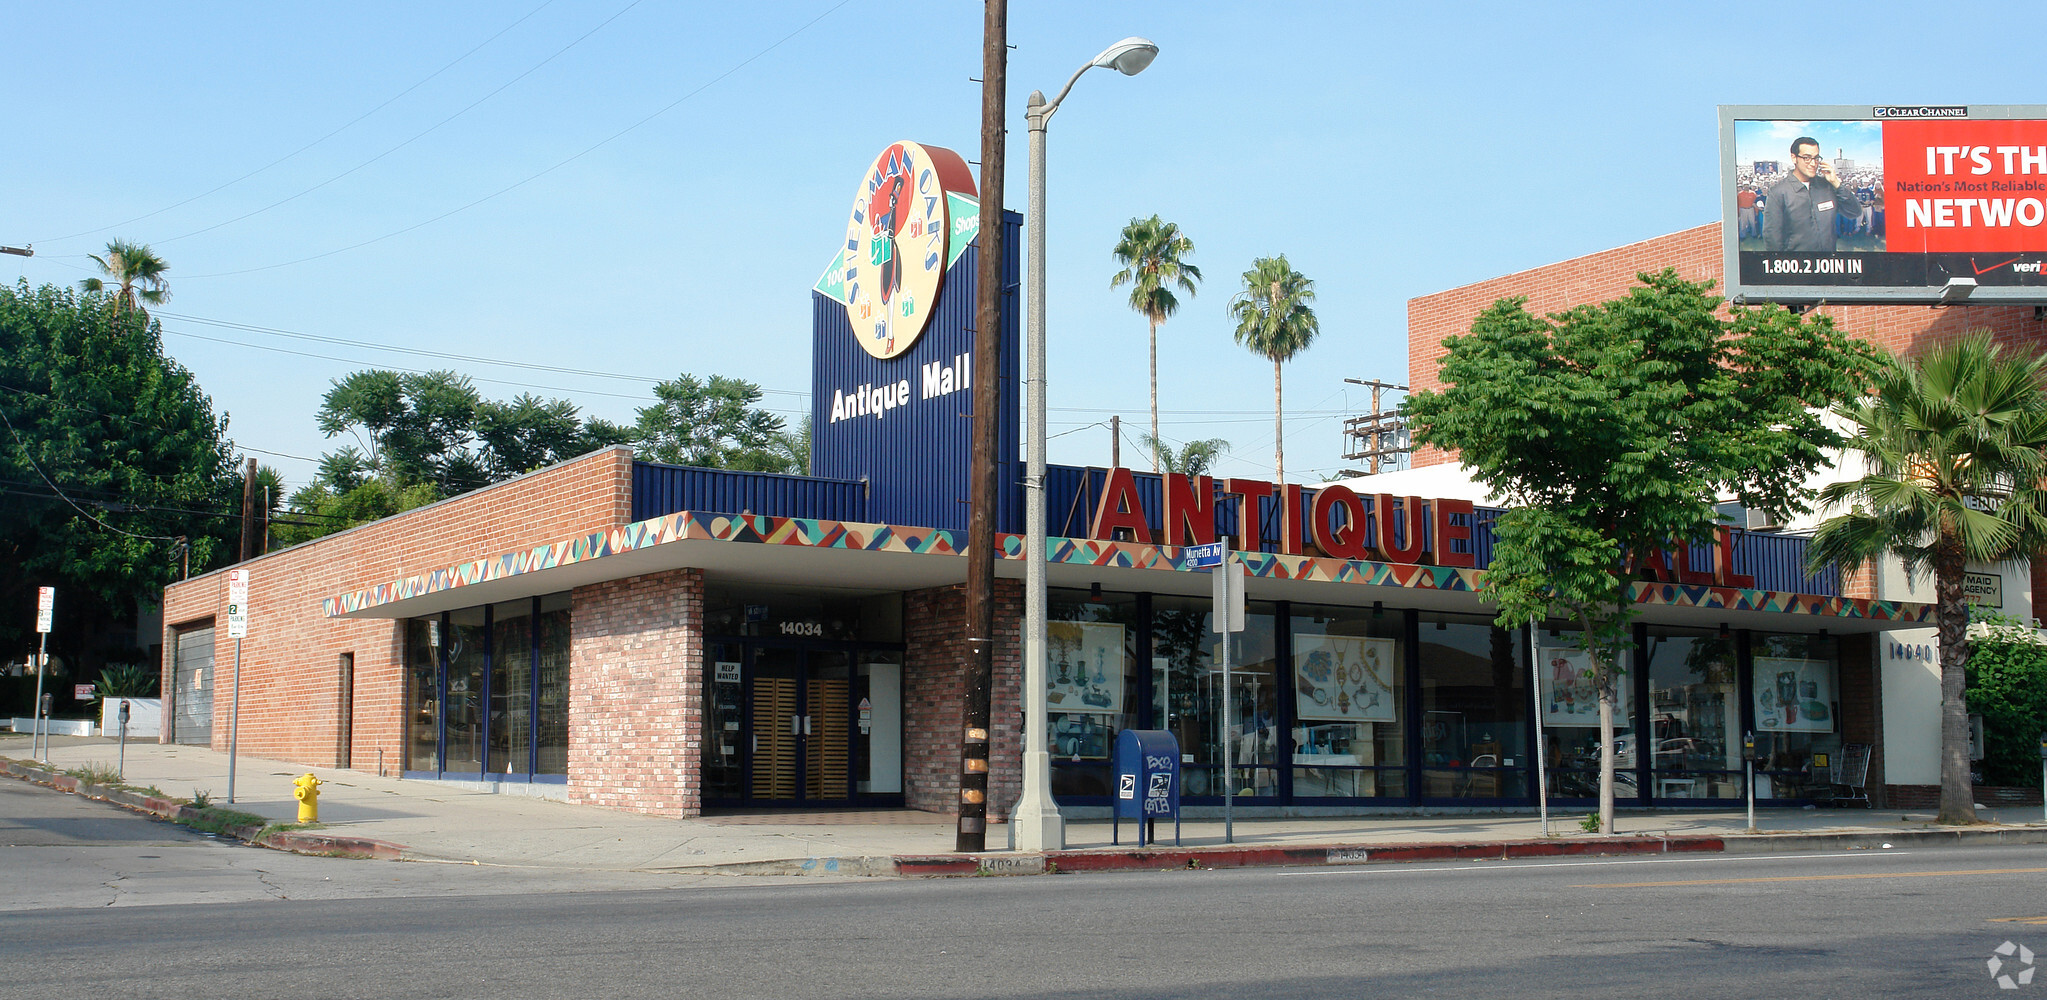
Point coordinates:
[(1154, 255), (134, 264), (1955, 444), (1273, 320), (1194, 458)]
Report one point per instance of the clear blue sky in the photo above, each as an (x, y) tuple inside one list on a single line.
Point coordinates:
[(1390, 150)]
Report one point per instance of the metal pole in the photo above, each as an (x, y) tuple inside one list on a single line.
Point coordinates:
[(234, 722), (121, 768), (1541, 752), (1036, 823), (42, 735), (1229, 713), (1748, 760)]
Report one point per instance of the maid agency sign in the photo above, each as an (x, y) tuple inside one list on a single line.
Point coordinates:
[(893, 343)]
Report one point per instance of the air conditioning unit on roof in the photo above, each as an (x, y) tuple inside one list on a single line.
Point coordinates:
[(1763, 520)]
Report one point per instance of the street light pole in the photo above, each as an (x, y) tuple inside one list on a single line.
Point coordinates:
[(1036, 820)]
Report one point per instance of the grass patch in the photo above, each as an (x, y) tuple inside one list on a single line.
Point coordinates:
[(288, 828), (97, 774), (216, 819)]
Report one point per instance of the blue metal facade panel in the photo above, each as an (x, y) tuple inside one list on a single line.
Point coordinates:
[(665, 489), (914, 454)]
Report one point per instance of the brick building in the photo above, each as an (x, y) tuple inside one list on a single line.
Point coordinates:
[(1902, 692), (668, 640)]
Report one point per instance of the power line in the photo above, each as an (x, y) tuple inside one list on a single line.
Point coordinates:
[(519, 184), (372, 345), (415, 138), (344, 127), (31, 459)]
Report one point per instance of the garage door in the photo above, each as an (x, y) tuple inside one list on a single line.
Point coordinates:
[(192, 696)]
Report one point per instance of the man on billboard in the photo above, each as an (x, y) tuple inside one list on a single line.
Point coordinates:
[(1804, 205)]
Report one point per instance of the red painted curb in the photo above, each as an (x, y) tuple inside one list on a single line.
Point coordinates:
[(323, 844)]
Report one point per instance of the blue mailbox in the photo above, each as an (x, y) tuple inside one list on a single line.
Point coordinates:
[(1147, 782)]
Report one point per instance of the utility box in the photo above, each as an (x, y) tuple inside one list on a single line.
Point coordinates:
[(1147, 782)]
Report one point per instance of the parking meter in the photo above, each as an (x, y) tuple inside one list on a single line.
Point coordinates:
[(2043, 746), (46, 704), (122, 767), (1748, 746)]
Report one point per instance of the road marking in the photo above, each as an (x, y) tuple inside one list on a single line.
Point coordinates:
[(1516, 864), (1809, 878), (2019, 920)]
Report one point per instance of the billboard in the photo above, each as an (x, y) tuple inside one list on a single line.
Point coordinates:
[(1884, 203)]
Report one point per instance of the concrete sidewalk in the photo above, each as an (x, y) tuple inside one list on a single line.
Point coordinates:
[(432, 821)]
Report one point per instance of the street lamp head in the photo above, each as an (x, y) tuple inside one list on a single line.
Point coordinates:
[(1128, 57)]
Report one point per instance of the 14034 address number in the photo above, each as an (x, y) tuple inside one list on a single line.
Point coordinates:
[(802, 628)]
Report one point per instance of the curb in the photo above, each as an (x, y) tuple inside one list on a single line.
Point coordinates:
[(170, 810), (1326, 855)]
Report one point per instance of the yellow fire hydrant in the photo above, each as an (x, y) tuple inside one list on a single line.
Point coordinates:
[(308, 794)]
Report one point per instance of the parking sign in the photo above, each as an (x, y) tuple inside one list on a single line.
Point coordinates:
[(237, 603), (46, 606)]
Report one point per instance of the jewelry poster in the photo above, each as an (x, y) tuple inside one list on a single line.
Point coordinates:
[(1569, 698), (1794, 695), (1343, 678), (1086, 669)]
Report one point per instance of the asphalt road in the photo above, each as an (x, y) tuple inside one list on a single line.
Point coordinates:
[(1860, 924)]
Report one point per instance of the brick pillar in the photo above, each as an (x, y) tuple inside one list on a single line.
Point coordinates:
[(934, 696), (636, 690)]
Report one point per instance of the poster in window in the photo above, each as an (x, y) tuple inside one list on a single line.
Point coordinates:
[(1339, 678), (1085, 672), (1569, 698), (1794, 695)]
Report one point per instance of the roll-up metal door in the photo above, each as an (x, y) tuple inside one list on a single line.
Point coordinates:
[(192, 697)]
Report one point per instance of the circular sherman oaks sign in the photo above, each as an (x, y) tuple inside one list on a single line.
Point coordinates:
[(900, 238)]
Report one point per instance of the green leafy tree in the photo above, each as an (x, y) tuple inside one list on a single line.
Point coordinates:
[(1154, 255), (1613, 428), (413, 427), (712, 423), (2007, 675), (1275, 321), (133, 267), (792, 449), (1955, 443), (107, 448), (1194, 458), (529, 433)]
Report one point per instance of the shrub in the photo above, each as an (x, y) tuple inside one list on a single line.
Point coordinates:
[(2007, 686)]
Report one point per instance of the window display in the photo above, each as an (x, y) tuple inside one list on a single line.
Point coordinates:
[(1350, 691)]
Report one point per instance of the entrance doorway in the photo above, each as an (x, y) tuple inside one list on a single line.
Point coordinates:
[(803, 724)]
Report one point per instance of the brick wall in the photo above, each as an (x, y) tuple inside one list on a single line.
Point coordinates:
[(291, 660), (1695, 253), (636, 694), (934, 698), (1862, 705)]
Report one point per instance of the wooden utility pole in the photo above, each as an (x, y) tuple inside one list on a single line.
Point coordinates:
[(1115, 442), (252, 535), (972, 832)]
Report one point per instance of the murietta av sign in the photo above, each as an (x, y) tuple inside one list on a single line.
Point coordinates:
[(1885, 203)]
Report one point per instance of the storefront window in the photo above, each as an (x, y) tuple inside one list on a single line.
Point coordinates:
[(1349, 696), (1694, 715), (1474, 709), (511, 688), (1091, 689), (484, 714), (1570, 719), (422, 677), (1187, 684), (551, 729), (467, 651), (1795, 691)]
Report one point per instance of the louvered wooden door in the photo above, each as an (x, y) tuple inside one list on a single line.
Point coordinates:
[(801, 720)]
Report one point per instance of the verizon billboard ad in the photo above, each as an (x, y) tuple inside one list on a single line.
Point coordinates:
[(1885, 203)]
